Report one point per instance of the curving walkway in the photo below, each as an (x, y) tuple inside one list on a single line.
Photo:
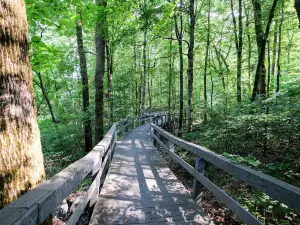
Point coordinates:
[(141, 189)]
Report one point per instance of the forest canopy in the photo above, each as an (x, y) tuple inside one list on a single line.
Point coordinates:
[(229, 69)]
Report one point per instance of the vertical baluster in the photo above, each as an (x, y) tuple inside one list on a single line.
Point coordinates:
[(197, 186)]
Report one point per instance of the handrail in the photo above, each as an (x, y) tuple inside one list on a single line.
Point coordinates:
[(36, 205), (279, 190)]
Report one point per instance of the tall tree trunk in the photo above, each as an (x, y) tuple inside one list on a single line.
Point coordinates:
[(191, 64), (249, 46), (99, 76), (279, 50), (45, 94), (149, 82), (143, 88), (179, 36), (269, 69), (21, 158), (261, 39), (297, 7), (137, 89), (206, 61), (274, 50), (85, 89), (239, 48), (170, 75), (109, 60)]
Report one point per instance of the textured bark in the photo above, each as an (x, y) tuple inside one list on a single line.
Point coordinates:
[(206, 62), (259, 87), (99, 77), (238, 35), (45, 94), (109, 59), (21, 158), (87, 123), (179, 36), (191, 64)]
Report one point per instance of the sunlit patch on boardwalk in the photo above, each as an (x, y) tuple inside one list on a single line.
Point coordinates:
[(141, 189)]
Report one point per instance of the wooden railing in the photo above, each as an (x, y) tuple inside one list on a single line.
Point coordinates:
[(36, 205), (279, 190)]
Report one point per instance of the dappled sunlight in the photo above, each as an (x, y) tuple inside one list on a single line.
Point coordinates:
[(140, 188)]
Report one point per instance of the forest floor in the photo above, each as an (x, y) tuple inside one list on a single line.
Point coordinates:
[(267, 142), (209, 203)]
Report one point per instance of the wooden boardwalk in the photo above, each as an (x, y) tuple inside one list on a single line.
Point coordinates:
[(141, 189)]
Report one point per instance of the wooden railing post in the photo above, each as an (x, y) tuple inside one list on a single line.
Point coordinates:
[(126, 125), (122, 128), (197, 186), (132, 123)]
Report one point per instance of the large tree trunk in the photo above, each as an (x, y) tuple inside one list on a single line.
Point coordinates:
[(206, 62), (239, 48), (99, 76), (21, 161), (261, 39), (87, 123), (109, 59), (191, 64)]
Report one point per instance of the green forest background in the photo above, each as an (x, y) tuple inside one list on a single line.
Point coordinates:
[(263, 134)]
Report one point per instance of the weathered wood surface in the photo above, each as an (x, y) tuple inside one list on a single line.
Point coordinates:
[(36, 205), (277, 189), (141, 189)]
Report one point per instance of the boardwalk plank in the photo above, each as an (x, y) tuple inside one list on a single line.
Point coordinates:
[(141, 189)]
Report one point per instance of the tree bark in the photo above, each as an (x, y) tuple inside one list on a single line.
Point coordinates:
[(21, 158), (143, 87), (179, 36), (249, 47), (206, 62), (279, 50), (149, 82), (45, 94), (261, 39), (269, 69), (87, 123), (170, 75), (274, 51), (191, 64), (99, 76), (297, 7), (238, 35), (109, 60)]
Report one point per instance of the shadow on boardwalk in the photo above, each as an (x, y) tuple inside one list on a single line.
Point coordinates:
[(141, 189)]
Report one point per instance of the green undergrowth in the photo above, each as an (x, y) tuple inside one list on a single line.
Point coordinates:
[(263, 135), (62, 144)]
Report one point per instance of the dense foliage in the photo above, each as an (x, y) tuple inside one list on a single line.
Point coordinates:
[(144, 60)]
